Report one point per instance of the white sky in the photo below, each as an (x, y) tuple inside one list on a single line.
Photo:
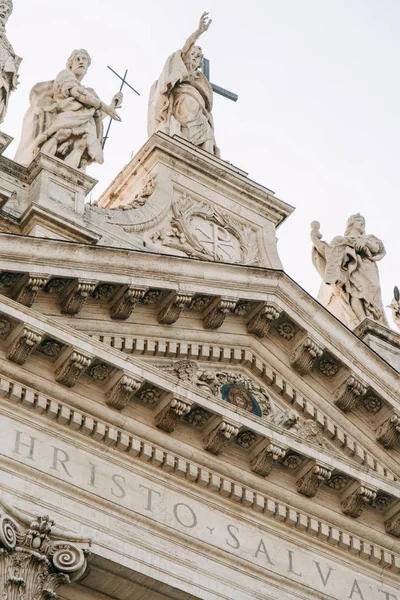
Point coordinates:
[(318, 117)]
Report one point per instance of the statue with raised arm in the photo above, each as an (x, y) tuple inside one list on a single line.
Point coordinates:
[(181, 100), (9, 61), (65, 118), (350, 288)]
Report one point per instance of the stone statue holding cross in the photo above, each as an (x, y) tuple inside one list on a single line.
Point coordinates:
[(181, 100)]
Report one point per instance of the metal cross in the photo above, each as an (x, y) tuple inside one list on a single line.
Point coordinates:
[(123, 82), (216, 88)]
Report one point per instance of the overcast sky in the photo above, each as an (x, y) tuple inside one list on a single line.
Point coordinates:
[(319, 98)]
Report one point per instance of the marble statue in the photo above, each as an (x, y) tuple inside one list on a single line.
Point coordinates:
[(350, 288), (395, 306), (9, 61), (65, 118), (181, 100)]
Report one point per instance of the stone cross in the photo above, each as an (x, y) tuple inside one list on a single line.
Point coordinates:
[(216, 88), (123, 82)]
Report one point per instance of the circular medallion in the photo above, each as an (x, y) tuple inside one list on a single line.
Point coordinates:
[(239, 396)]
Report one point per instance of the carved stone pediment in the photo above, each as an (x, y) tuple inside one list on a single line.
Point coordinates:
[(35, 559)]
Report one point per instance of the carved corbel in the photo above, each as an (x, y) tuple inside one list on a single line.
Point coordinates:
[(23, 343), (265, 458), (388, 434), (173, 306), (357, 498), (74, 296), (305, 355), (392, 525), (348, 394), (312, 477), (219, 436), (26, 290), (122, 388), (125, 301), (69, 369), (169, 415), (216, 313), (36, 559), (260, 323)]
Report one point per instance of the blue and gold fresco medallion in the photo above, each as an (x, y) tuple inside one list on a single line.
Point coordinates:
[(239, 396)]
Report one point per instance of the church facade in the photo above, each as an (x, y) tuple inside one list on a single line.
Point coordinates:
[(180, 419)]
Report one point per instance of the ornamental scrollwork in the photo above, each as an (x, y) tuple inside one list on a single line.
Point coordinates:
[(203, 231)]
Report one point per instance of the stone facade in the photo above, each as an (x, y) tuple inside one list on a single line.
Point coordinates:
[(197, 425)]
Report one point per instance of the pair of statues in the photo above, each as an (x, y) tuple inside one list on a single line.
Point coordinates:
[(65, 119)]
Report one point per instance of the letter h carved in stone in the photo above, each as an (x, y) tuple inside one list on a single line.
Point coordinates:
[(33, 565)]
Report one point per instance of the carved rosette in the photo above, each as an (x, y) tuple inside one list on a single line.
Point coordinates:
[(311, 481), (388, 434), (260, 323), (349, 393), (219, 437), (355, 502), (264, 460), (305, 355), (32, 564)]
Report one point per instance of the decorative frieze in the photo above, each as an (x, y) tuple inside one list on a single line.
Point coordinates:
[(217, 311), (26, 289), (264, 460), (388, 434), (122, 390), (33, 565), (24, 342), (71, 368), (305, 355), (358, 497), (173, 306), (348, 394), (260, 323), (169, 415), (312, 478), (126, 301), (219, 437), (75, 295)]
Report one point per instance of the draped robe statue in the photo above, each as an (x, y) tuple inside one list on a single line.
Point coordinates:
[(350, 288), (9, 61), (65, 118), (181, 100)]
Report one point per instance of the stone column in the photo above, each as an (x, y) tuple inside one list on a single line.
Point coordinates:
[(33, 562)]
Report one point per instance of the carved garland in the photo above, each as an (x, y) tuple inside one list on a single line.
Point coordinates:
[(182, 236)]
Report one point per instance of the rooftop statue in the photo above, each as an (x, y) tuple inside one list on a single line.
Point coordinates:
[(395, 306), (9, 61), (181, 100), (65, 118), (350, 288)]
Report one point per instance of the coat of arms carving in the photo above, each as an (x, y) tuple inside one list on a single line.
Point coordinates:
[(201, 230)]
